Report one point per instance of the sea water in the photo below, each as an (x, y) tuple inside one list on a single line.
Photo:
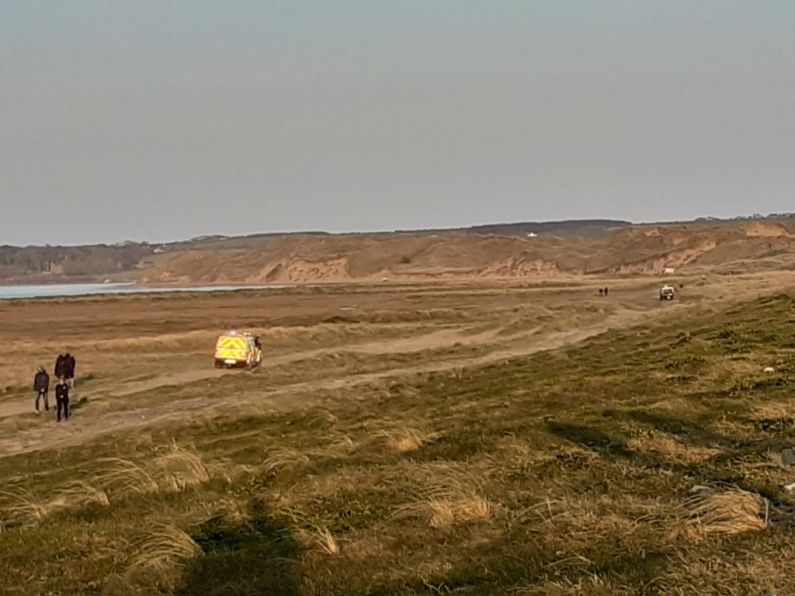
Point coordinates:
[(59, 290)]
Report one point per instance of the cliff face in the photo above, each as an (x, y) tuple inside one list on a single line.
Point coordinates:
[(372, 257), (325, 258)]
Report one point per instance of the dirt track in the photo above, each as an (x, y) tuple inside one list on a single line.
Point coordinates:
[(84, 428)]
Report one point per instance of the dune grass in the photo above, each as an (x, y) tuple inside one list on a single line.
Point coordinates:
[(645, 460)]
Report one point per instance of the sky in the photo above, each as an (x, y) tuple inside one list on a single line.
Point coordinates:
[(154, 120)]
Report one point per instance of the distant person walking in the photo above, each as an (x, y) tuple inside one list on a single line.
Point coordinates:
[(62, 399), (59, 367), (41, 385), (69, 365), (606, 291)]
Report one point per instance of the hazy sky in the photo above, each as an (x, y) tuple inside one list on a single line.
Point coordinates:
[(160, 120)]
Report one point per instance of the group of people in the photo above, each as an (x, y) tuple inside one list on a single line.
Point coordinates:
[(64, 371)]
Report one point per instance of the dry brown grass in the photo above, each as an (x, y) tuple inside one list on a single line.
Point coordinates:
[(513, 453), (443, 513), (230, 472), (173, 472), (122, 476), (583, 520), (163, 546), (78, 494), (282, 458), (774, 410), (671, 448), (745, 572), (179, 470), (330, 335), (231, 511), (323, 417), (337, 444), (20, 507), (312, 531), (591, 585), (405, 438), (450, 497), (710, 513)]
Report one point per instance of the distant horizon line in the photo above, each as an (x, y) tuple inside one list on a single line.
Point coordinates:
[(473, 228)]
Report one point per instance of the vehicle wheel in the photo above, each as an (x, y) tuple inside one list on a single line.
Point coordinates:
[(218, 364)]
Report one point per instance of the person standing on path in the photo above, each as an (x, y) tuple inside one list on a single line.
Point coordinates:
[(41, 385), (62, 399), (59, 367), (69, 365)]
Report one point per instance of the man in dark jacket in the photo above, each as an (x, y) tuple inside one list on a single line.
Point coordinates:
[(41, 385), (69, 365), (62, 399), (59, 366)]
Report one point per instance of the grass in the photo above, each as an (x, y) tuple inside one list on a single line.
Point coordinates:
[(450, 496), (121, 476), (163, 547), (314, 532), (645, 460), (179, 469), (732, 511), (405, 438), (21, 508)]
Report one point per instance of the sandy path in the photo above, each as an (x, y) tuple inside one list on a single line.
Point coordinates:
[(427, 341)]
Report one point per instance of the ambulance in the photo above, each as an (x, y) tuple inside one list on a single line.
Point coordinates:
[(238, 349)]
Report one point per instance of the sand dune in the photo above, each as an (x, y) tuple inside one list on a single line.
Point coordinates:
[(373, 257)]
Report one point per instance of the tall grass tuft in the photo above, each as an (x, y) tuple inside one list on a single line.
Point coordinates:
[(313, 531), (730, 511), (284, 458), (323, 417), (451, 497), (20, 507), (228, 510), (338, 443), (173, 472), (78, 494), (121, 476), (180, 469), (405, 438), (163, 547), (230, 472)]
